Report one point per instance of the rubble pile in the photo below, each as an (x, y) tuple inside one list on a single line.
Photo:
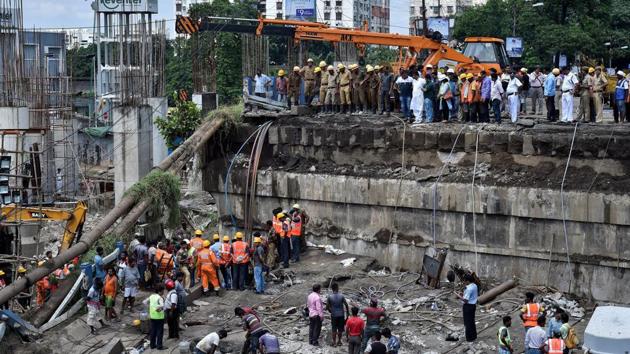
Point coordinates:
[(558, 300)]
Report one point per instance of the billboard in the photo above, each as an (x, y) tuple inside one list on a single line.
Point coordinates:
[(146, 6), (301, 10), (514, 47), (437, 24)]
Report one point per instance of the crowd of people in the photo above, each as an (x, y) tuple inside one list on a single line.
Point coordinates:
[(426, 94)]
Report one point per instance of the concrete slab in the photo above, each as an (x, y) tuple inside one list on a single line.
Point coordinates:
[(608, 331)]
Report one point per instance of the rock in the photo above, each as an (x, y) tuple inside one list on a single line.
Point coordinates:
[(312, 169), (200, 303), (290, 311), (348, 262), (526, 122)]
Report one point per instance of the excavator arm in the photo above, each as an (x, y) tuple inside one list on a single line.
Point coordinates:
[(74, 218)]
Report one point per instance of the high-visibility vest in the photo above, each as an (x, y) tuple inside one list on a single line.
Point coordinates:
[(206, 256), (163, 258), (154, 304), (277, 225), (508, 340), (296, 228), (285, 228), (531, 314), (196, 243), (555, 346), (476, 94), (226, 253), (239, 253)]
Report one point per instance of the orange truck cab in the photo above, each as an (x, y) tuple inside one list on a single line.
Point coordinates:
[(486, 52)]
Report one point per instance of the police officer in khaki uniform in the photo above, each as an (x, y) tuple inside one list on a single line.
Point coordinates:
[(375, 86), (318, 82), (323, 85), (308, 73), (586, 88), (331, 88), (293, 87), (345, 80), (356, 80), (599, 85), (364, 88)]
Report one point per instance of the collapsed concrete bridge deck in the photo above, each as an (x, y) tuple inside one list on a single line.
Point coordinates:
[(347, 172)]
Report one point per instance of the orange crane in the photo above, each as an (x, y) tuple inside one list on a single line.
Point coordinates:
[(487, 52)]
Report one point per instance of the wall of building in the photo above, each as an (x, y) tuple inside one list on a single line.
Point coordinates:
[(507, 229)]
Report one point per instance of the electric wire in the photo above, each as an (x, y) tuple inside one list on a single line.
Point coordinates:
[(564, 218)]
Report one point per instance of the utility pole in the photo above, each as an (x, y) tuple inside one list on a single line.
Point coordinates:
[(425, 29)]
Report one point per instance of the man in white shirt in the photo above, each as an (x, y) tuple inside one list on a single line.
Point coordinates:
[(568, 87), (261, 82), (210, 343), (496, 95), (513, 99), (536, 81), (536, 337)]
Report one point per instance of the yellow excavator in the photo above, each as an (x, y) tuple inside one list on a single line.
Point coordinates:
[(75, 218)]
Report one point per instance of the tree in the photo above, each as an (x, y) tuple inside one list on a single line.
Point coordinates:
[(180, 123), (80, 61), (178, 67)]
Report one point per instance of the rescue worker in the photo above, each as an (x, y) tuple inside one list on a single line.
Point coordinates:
[(24, 299), (355, 77), (197, 241), (304, 219), (206, 263), (192, 263), (259, 263), (281, 86), (293, 87), (375, 86), (331, 87), (170, 307), (216, 249), (466, 96), (364, 88), (42, 287), (308, 73), (373, 314), (323, 86), (156, 316), (295, 232), (318, 82), (240, 262), (184, 262), (225, 261), (555, 345), (530, 311), (164, 262), (345, 80), (599, 86), (585, 87), (505, 341)]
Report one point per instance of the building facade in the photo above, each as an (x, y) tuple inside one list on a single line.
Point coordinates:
[(437, 9), (182, 6)]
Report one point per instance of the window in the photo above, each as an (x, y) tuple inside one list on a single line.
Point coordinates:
[(449, 9), (338, 16), (326, 16), (279, 16), (436, 10), (338, 3), (279, 6), (178, 7)]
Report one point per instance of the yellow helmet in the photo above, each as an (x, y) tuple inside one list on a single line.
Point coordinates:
[(239, 235), (1, 273), (318, 69), (226, 238), (40, 263), (281, 73), (206, 243), (21, 270), (198, 232), (322, 64), (280, 215), (377, 67), (353, 66), (257, 240), (341, 66), (469, 76), (296, 68), (136, 323), (462, 76), (216, 237), (591, 70), (369, 68)]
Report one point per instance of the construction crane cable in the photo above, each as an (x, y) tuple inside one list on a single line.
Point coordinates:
[(564, 219), (472, 192)]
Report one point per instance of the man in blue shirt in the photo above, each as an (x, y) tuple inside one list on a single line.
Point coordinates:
[(470, 305), (393, 343), (550, 94), (621, 93), (486, 89), (99, 272)]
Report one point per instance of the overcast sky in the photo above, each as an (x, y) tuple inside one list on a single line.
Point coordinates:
[(78, 13)]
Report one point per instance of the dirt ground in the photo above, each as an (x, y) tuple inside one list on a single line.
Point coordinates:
[(422, 326)]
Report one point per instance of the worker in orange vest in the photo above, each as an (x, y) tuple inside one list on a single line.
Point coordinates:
[(225, 261), (42, 287), (283, 231), (530, 311), (240, 262), (197, 242), (555, 345), (206, 261), (295, 232), (164, 261)]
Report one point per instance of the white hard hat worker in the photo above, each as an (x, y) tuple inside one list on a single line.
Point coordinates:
[(322, 64), (341, 66), (369, 68), (428, 66), (450, 71), (330, 68), (296, 206), (296, 68), (310, 60)]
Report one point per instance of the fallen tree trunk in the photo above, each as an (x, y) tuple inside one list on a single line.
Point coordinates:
[(184, 151), (43, 313), (496, 291)]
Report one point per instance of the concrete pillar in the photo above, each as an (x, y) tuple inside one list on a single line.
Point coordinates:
[(206, 101), (159, 107)]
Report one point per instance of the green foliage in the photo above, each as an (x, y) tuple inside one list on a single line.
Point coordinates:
[(178, 69), (159, 189), (577, 28), (380, 55), (107, 241), (180, 123), (81, 61)]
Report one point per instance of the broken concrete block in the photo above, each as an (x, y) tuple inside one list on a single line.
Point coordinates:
[(290, 311), (526, 122), (528, 146), (114, 346)]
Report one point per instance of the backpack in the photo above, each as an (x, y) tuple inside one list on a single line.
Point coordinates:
[(572, 339)]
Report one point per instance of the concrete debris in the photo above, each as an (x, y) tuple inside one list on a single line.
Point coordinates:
[(348, 262), (558, 300), (312, 169), (290, 311), (200, 303), (332, 250)]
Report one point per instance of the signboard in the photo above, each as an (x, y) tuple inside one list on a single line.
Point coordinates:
[(562, 61), (514, 47), (301, 10), (129, 6), (437, 24)]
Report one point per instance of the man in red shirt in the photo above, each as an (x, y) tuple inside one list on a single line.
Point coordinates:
[(354, 330), (374, 314)]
